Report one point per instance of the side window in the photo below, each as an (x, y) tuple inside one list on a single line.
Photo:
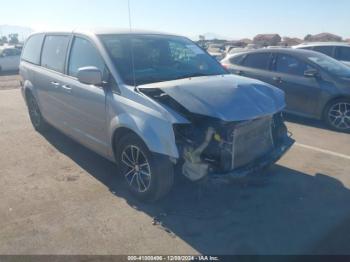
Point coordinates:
[(257, 60), (307, 48), (54, 52), (16, 52), (83, 54), (327, 50), (237, 60), (32, 49), (290, 65), (343, 53), (10, 52)]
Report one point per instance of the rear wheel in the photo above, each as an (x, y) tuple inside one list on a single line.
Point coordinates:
[(35, 115), (148, 176), (337, 115)]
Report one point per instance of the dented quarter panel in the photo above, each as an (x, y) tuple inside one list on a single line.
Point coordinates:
[(226, 97)]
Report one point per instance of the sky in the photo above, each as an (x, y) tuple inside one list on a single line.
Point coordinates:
[(232, 19)]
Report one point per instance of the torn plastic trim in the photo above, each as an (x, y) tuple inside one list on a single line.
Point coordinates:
[(194, 168)]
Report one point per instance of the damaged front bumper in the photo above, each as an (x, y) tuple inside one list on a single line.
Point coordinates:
[(259, 164)]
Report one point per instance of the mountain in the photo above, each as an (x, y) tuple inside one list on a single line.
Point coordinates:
[(208, 36), (22, 31)]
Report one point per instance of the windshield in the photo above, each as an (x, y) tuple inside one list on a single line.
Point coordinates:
[(330, 65), (158, 58)]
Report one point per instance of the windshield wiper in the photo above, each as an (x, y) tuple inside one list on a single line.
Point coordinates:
[(191, 75)]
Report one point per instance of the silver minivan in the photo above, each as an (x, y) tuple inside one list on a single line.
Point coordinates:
[(151, 102)]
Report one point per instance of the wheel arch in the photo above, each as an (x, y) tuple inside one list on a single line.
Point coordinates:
[(331, 100), (118, 134), (27, 89)]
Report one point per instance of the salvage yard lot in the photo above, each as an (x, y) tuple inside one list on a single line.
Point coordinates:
[(59, 198)]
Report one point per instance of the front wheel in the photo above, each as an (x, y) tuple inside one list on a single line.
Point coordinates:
[(148, 176), (337, 115)]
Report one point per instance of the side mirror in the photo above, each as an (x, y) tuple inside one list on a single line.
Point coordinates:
[(311, 73), (90, 75)]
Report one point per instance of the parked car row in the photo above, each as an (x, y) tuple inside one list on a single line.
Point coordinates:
[(315, 84)]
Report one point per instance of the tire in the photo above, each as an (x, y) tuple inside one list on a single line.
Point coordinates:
[(35, 115), (337, 115), (148, 176)]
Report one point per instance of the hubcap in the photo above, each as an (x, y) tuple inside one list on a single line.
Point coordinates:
[(137, 171), (339, 116), (34, 112)]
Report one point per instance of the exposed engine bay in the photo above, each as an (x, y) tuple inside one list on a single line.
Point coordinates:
[(212, 146), (219, 147)]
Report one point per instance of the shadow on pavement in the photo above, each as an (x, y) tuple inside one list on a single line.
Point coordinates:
[(305, 121), (284, 212)]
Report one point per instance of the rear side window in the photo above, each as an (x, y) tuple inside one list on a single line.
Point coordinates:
[(343, 53), (327, 50), (54, 52), (290, 65), (258, 61), (83, 54), (237, 60), (11, 52), (32, 49)]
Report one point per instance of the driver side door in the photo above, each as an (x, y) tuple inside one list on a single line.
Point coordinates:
[(86, 103)]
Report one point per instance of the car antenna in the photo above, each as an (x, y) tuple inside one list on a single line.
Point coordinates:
[(132, 47)]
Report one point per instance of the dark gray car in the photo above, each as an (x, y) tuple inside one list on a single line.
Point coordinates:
[(315, 85)]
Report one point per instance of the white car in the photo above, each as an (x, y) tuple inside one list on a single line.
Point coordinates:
[(217, 55), (337, 50), (9, 58)]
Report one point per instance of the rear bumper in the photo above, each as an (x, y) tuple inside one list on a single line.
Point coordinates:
[(259, 164)]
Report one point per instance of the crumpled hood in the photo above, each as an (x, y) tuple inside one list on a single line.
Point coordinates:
[(227, 97)]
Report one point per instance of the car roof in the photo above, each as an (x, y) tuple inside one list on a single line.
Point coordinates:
[(105, 31), (322, 44), (277, 50)]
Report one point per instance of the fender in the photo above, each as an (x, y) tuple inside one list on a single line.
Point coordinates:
[(156, 133)]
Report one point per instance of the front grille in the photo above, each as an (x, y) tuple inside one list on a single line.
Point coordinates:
[(251, 141)]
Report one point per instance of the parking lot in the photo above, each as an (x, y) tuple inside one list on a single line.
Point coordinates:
[(60, 198)]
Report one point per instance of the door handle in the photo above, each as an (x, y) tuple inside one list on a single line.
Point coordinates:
[(55, 84), (239, 72), (66, 87), (277, 79)]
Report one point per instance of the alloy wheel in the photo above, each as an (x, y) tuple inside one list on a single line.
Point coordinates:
[(137, 171), (339, 116)]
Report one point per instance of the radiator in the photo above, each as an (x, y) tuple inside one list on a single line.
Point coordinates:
[(251, 141)]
